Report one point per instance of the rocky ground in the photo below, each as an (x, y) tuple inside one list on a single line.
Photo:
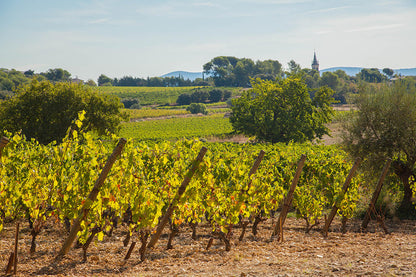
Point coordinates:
[(371, 253)]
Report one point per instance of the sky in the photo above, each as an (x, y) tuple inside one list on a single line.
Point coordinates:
[(151, 38)]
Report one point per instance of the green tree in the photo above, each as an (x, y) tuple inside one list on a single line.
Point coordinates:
[(385, 127), (388, 71), (57, 75), (221, 69), (6, 84), (282, 111), (226, 94), (215, 95), (196, 108), (232, 71), (131, 103), (371, 75), (329, 79), (91, 83), (269, 67), (104, 80), (199, 96), (294, 68), (342, 75), (44, 111), (184, 99), (29, 73)]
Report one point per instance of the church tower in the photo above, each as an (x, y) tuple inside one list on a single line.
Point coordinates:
[(315, 64)]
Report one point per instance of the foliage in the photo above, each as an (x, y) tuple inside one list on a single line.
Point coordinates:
[(236, 72), (196, 108), (131, 103), (371, 75), (329, 79), (184, 99), (199, 96), (384, 127), (44, 182), (11, 79), (91, 83), (282, 111), (215, 95), (176, 128), (44, 111), (57, 75), (151, 113), (294, 68), (388, 71), (158, 95), (104, 80), (202, 96), (148, 95)]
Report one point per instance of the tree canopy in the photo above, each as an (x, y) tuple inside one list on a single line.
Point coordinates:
[(232, 71), (57, 75), (282, 111), (45, 111), (371, 75), (385, 127)]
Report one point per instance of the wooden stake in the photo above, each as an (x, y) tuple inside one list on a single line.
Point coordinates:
[(254, 169), (181, 190), (16, 242), (256, 163), (90, 200), (3, 142), (288, 200), (10, 264), (133, 244), (376, 194), (344, 190)]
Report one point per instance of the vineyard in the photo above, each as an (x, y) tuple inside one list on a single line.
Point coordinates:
[(135, 114), (173, 128), (154, 95), (142, 188)]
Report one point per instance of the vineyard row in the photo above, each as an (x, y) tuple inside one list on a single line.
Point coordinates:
[(150, 186)]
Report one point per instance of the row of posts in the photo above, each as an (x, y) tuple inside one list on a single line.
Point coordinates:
[(277, 230)]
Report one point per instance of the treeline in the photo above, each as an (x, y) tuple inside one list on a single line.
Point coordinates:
[(11, 79), (222, 71), (203, 95), (129, 81)]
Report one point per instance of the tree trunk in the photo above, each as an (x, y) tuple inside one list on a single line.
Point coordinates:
[(407, 207)]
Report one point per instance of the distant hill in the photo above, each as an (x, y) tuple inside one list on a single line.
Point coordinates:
[(406, 71), (184, 74), (352, 71)]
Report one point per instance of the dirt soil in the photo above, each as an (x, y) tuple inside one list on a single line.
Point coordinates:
[(371, 253)]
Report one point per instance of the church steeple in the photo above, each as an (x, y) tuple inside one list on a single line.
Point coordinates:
[(315, 63)]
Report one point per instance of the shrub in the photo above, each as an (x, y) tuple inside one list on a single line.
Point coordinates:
[(183, 99), (215, 95), (196, 108), (130, 102), (199, 96)]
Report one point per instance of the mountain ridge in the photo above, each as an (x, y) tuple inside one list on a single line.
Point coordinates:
[(349, 70), (352, 71)]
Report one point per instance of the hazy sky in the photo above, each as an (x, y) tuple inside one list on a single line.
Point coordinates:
[(151, 38)]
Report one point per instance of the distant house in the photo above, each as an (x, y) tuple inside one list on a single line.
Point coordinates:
[(76, 80)]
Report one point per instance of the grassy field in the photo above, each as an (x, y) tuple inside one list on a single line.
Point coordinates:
[(174, 128)]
